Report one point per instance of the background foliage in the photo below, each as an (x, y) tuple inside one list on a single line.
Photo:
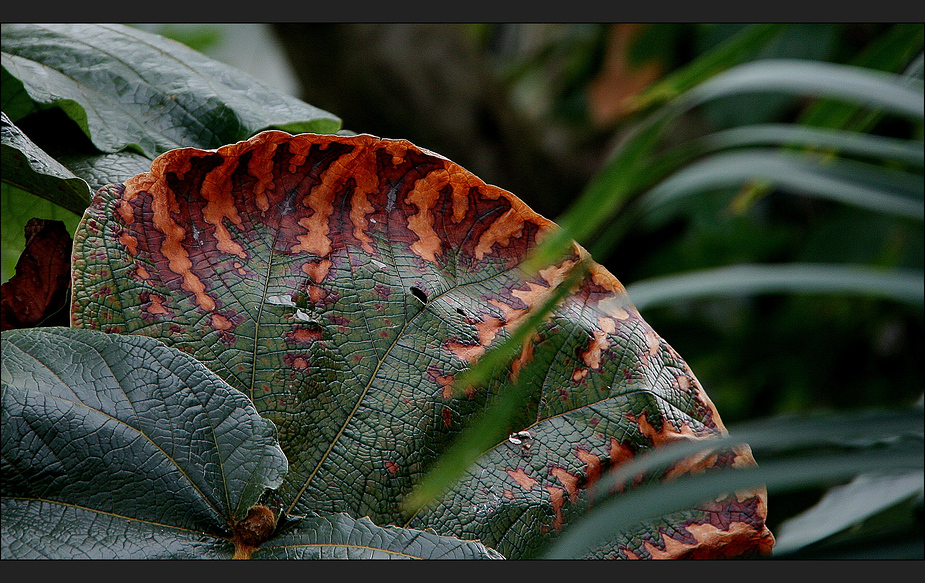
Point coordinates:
[(542, 109), (553, 101)]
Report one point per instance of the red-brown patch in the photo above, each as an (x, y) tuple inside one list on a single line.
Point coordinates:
[(465, 352), (304, 335), (593, 470), (424, 195), (220, 322), (317, 270), (521, 477), (508, 225), (570, 481), (217, 190), (130, 243), (38, 290), (392, 467), (557, 499), (157, 305)]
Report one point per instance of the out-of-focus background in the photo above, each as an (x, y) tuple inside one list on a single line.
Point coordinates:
[(537, 108)]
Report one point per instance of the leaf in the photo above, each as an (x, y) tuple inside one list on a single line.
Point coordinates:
[(29, 168), (341, 537), (129, 89), (854, 183), (36, 294), (401, 269), (899, 285), (120, 447), (844, 510)]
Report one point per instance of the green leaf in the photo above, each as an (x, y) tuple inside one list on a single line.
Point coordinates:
[(348, 284), (890, 52), (102, 169), (855, 183), (874, 89), (126, 442), (628, 171), (128, 89), (341, 537), (29, 168), (899, 285), (850, 512)]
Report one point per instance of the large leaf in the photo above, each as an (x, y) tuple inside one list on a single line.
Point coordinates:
[(129, 89), (345, 282), (120, 447)]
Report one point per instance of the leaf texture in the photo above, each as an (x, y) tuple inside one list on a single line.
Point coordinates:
[(121, 439), (343, 283), (129, 89)]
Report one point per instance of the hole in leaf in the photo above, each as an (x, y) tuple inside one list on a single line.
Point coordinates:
[(419, 294)]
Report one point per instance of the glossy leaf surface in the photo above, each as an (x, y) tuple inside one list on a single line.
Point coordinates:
[(344, 282)]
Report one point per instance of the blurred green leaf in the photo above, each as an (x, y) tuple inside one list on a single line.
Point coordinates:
[(874, 89), (728, 54), (855, 183), (890, 52), (850, 512), (900, 285)]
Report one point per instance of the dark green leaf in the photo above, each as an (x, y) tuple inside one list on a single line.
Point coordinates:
[(341, 537), (125, 440), (129, 89), (29, 168)]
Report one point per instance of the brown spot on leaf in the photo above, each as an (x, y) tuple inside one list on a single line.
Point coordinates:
[(593, 470), (317, 270), (131, 243), (157, 305), (304, 335), (217, 190), (557, 499), (508, 225), (569, 480), (521, 477), (424, 195), (222, 323)]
